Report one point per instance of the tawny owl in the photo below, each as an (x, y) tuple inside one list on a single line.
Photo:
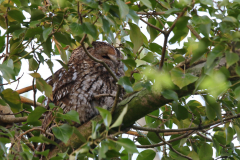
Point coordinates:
[(76, 88)]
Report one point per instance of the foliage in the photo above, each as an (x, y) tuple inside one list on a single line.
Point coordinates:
[(206, 64)]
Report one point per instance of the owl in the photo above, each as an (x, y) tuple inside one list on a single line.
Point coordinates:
[(85, 79)]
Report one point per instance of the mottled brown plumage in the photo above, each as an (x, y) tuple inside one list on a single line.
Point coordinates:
[(75, 89)]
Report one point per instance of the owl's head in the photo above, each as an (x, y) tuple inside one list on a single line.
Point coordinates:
[(102, 51), (110, 55)]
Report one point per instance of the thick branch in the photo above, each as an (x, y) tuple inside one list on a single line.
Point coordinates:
[(29, 101)]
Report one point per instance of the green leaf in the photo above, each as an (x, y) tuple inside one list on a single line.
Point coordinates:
[(7, 72), (135, 36), (103, 149), (231, 58), (205, 29), (153, 32), (2, 43), (44, 153), (33, 65), (128, 145), (149, 57), (12, 98), (146, 155), (47, 47), (44, 87), (197, 49), (63, 132), (119, 120), (210, 112), (205, 151), (207, 2), (154, 47), (123, 8), (77, 29), (4, 140), (63, 38), (129, 62), (181, 112), (230, 19), (80, 136), (63, 64), (36, 139), (213, 106), (35, 115), (50, 65), (72, 115), (182, 79), (106, 26), (216, 145), (17, 15), (106, 115), (193, 155), (17, 33), (229, 135), (237, 129), (90, 29), (133, 15), (46, 33), (182, 142), (170, 94), (35, 75), (41, 98), (32, 32), (125, 82), (36, 14), (146, 3)]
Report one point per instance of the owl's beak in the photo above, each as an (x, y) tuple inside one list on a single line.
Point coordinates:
[(113, 58)]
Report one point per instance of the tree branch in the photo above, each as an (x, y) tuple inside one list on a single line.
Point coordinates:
[(10, 120), (184, 129), (151, 25), (151, 13), (161, 144)]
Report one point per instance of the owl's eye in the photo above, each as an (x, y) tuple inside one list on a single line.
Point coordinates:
[(106, 57)]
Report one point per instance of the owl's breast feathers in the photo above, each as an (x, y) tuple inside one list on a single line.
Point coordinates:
[(75, 89)]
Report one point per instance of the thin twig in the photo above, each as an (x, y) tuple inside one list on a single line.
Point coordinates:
[(12, 81), (209, 139), (194, 32), (174, 150), (79, 13), (151, 25), (6, 20), (161, 144), (33, 129), (116, 99), (151, 13), (166, 34), (163, 51), (184, 129)]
